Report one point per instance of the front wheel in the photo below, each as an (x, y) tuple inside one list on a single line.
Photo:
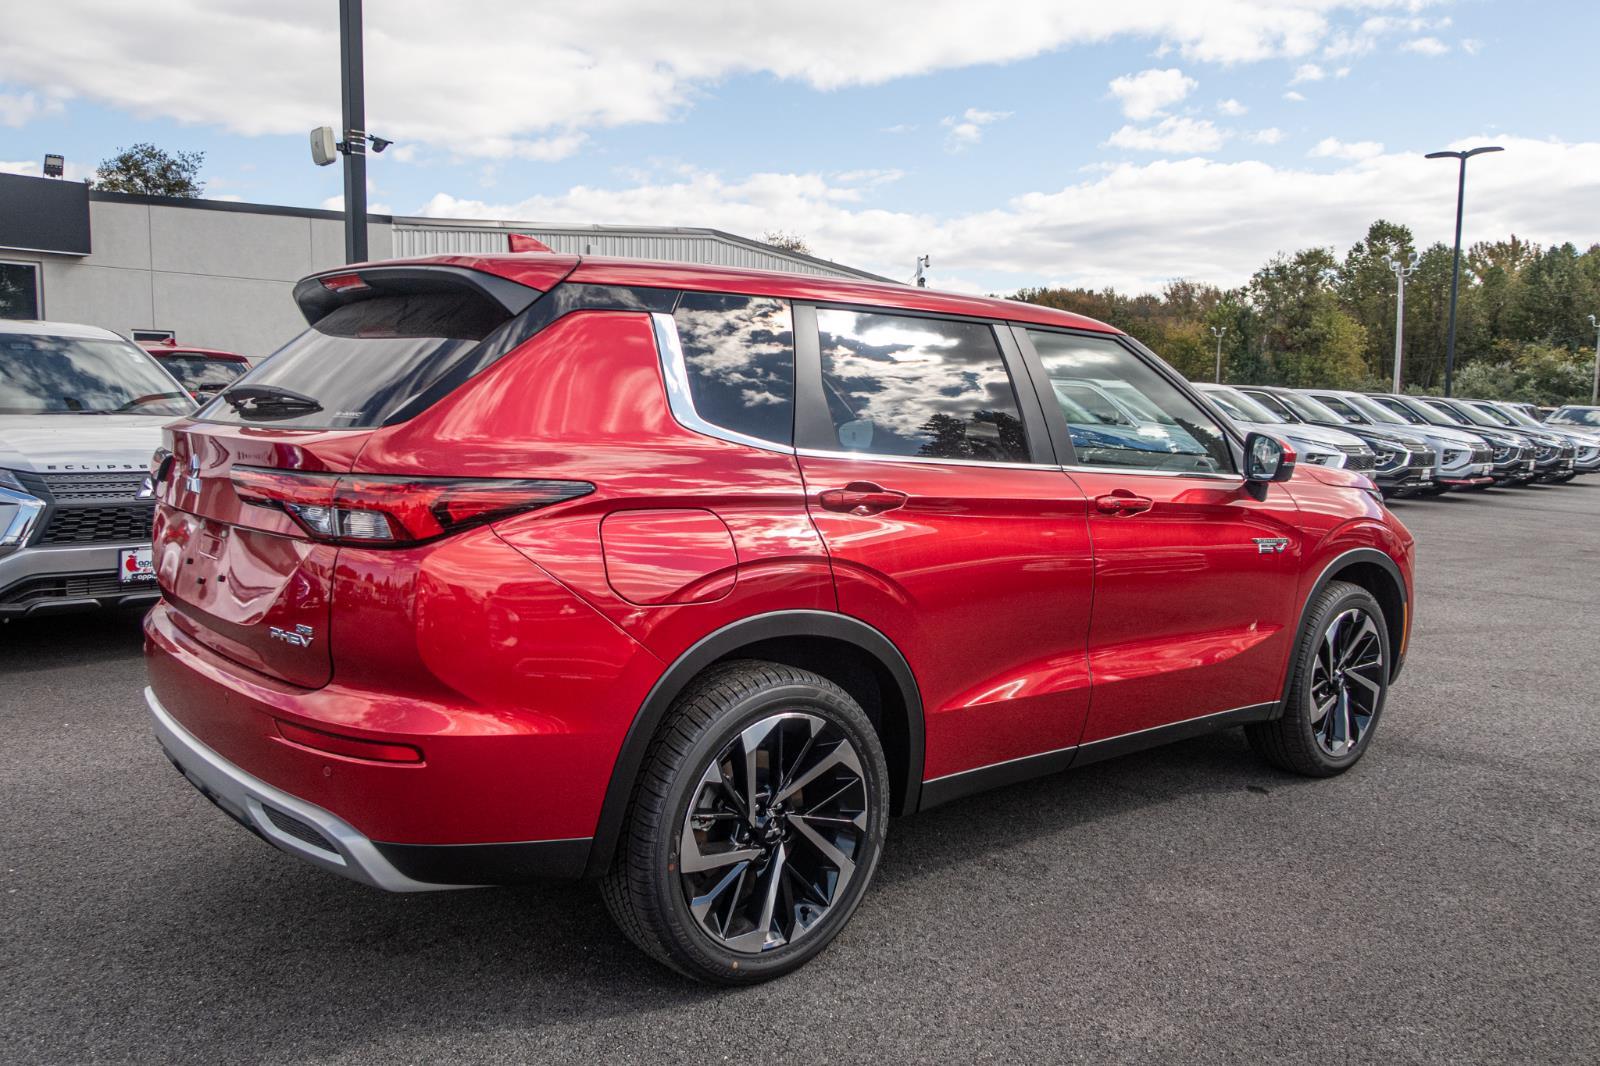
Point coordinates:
[(755, 827), (1341, 680)]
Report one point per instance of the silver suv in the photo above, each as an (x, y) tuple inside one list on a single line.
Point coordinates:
[(81, 411)]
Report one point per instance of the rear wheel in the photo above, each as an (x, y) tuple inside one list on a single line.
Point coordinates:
[(1340, 683), (755, 827)]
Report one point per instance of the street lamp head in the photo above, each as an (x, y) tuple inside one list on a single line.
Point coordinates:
[(1468, 154)]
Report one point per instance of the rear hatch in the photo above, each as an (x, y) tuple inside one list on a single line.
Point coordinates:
[(242, 549)]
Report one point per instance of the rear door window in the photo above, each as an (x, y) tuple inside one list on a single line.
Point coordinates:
[(738, 355), (912, 386), (365, 359)]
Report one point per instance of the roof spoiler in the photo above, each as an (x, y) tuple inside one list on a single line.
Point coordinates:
[(320, 294)]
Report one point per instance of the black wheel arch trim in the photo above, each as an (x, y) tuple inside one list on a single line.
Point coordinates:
[(1330, 572), (718, 645)]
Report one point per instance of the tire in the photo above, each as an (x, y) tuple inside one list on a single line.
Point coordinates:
[(1341, 681), (698, 828)]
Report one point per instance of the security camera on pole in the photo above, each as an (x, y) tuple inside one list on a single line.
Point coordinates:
[(1402, 270), (324, 148)]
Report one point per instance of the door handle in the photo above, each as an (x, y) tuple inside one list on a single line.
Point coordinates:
[(862, 498), (1122, 502)]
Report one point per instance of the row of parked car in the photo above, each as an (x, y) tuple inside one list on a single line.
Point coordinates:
[(1420, 445)]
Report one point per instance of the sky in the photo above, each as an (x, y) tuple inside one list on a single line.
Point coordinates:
[(1033, 142)]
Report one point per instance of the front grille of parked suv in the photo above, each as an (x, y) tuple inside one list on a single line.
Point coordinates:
[(99, 525), (93, 508), (1358, 457), (1483, 454), (72, 488)]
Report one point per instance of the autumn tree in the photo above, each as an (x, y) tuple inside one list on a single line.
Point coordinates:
[(143, 168)]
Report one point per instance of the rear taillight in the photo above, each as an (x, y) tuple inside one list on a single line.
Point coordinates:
[(381, 510)]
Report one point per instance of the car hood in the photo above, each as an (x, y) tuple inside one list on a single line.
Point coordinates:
[(1336, 438), (79, 443), (1463, 437)]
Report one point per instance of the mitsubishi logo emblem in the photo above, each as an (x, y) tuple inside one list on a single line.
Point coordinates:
[(192, 482)]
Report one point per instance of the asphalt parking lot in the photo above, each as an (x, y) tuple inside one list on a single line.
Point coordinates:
[(1440, 903)]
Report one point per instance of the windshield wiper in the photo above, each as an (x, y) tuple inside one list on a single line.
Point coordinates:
[(269, 400)]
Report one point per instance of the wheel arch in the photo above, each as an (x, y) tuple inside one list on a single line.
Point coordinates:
[(846, 650), (1379, 574)]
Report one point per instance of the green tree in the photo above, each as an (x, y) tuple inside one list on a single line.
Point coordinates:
[(1366, 288), (144, 168), (788, 242)]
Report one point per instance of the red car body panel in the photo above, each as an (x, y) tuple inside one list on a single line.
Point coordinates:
[(516, 656)]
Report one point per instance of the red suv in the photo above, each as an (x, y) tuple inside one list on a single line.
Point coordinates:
[(686, 579)]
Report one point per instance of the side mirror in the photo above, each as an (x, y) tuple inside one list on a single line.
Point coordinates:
[(1266, 458)]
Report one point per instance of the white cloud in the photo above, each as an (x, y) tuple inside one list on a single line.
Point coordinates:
[(900, 127), (519, 79), (1204, 219), (1307, 72), (1231, 107), (1426, 46), (966, 129), (17, 109), (1471, 45), (1333, 148), (1171, 135), (1270, 135), (1294, 97), (1149, 93)]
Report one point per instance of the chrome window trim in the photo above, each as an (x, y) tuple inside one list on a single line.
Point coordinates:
[(675, 372), (1208, 475), (879, 457)]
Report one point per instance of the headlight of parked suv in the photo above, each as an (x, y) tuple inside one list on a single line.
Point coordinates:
[(1452, 456), (1307, 451), (19, 510), (1501, 452)]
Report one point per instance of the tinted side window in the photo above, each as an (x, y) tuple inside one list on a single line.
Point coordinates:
[(1121, 412), (898, 385), (738, 353)]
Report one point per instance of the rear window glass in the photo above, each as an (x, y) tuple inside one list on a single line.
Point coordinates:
[(363, 361), (738, 354), (200, 373)]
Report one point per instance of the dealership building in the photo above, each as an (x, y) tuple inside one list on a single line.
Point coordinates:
[(217, 274)]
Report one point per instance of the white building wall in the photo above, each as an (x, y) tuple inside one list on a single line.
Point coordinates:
[(218, 279)]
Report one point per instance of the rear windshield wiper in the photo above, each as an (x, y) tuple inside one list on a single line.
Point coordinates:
[(269, 400)]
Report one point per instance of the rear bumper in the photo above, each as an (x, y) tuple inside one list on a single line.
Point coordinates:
[(323, 839)]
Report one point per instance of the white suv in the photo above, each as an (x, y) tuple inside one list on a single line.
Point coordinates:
[(81, 411)]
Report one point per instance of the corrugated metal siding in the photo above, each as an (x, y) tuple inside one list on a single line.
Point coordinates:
[(410, 240)]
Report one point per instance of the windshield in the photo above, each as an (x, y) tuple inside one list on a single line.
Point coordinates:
[(1519, 417), (1389, 403), (1465, 414), (83, 376), (1241, 407), (1420, 413), (201, 373), (1576, 416), (1309, 409), (1500, 418), (1375, 411)]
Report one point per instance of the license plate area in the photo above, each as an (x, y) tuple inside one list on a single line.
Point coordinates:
[(136, 566)]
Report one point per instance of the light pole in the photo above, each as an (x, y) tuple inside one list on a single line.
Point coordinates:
[(353, 96), (1402, 270), (1455, 274), (1594, 394), (1217, 333)]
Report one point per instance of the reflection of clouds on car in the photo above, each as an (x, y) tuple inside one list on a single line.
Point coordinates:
[(735, 346), (898, 385)]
